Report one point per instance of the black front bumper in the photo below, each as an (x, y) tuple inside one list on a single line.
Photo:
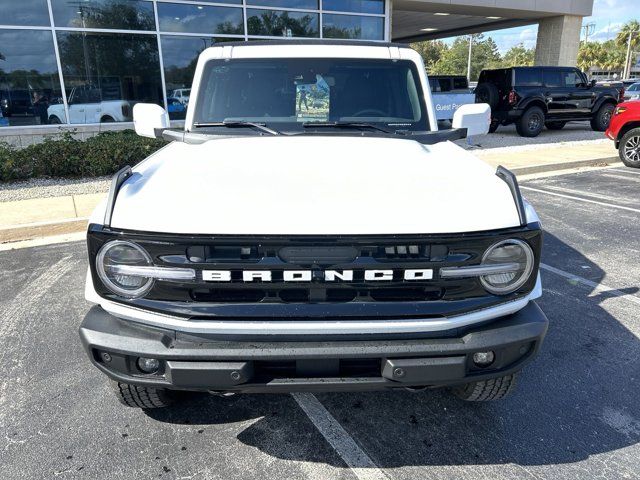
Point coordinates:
[(194, 362)]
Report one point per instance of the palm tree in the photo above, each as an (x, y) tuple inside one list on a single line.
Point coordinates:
[(630, 28)]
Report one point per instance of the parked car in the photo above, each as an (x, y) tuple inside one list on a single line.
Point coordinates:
[(535, 97), (86, 105), (624, 130), (182, 94), (177, 110), (632, 92), (240, 258), (16, 103)]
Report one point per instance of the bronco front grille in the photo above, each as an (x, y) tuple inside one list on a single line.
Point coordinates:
[(317, 255)]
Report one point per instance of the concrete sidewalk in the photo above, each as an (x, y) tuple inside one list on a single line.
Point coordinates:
[(38, 217)]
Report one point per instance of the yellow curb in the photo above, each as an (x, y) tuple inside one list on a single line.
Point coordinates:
[(36, 210), (30, 231)]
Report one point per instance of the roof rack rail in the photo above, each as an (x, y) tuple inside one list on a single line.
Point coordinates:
[(510, 179), (116, 182)]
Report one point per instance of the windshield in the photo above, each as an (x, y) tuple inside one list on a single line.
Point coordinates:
[(291, 93)]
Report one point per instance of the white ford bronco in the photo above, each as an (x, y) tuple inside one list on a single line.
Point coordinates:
[(311, 229)]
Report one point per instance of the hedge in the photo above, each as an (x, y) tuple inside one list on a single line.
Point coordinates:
[(65, 156)]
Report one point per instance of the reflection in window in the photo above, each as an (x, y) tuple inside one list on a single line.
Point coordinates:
[(105, 74), (277, 23), (29, 80), (357, 6), (177, 17), (303, 4), (117, 14), (24, 13), (180, 56), (352, 26)]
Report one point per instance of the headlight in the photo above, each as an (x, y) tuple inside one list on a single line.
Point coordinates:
[(117, 254), (513, 262)]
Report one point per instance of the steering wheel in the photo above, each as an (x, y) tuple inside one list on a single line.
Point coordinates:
[(372, 111)]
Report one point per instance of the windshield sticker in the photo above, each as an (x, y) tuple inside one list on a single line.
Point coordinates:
[(312, 101)]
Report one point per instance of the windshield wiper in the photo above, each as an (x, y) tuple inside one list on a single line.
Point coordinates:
[(239, 124), (346, 125)]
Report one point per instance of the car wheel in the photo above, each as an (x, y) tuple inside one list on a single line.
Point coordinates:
[(531, 123), (107, 119), (555, 125), (600, 122), (493, 126), (141, 397), (53, 120), (629, 148), (487, 93), (486, 390)]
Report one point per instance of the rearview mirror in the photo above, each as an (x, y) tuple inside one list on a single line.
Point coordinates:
[(149, 119), (475, 117)]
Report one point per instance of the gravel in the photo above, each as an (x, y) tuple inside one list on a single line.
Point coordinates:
[(52, 187), (504, 138)]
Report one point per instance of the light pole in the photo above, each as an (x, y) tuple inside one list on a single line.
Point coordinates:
[(627, 63), (588, 30), (469, 60)]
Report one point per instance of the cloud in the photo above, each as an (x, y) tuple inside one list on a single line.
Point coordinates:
[(606, 33)]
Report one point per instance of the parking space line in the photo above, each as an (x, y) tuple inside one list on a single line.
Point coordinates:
[(620, 177), (586, 200), (358, 461), (597, 287), (632, 172)]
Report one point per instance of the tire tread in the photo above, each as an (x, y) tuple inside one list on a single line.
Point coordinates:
[(140, 397), (487, 390)]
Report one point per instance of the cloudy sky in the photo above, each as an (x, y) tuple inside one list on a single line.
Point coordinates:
[(608, 15)]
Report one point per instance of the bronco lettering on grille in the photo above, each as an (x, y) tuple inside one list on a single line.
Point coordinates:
[(307, 275)]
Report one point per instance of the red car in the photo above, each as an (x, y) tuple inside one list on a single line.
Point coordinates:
[(624, 129)]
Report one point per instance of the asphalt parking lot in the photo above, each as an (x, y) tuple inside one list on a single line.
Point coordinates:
[(575, 413)]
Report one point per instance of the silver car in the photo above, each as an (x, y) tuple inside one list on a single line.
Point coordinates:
[(632, 92)]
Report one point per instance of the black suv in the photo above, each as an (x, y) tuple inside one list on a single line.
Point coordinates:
[(532, 97)]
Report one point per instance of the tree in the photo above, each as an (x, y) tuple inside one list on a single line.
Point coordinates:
[(453, 61), (622, 39), (519, 56), (608, 55), (431, 51)]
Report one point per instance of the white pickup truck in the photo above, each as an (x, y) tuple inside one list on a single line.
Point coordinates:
[(311, 229), (87, 106)]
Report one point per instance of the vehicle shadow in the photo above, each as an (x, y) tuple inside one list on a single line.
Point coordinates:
[(578, 399)]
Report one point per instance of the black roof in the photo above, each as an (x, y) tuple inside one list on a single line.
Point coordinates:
[(312, 41)]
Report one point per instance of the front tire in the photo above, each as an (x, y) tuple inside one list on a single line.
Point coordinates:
[(629, 148), (141, 397), (493, 126), (600, 122), (531, 123), (486, 390)]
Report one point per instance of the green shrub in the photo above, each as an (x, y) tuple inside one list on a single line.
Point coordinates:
[(64, 156)]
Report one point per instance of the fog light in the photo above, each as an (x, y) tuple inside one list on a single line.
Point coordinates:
[(148, 365), (484, 359)]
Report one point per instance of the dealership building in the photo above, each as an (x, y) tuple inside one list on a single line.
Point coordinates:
[(83, 64)]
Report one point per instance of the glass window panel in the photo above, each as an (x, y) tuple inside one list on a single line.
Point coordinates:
[(351, 26), (303, 4), (29, 80), (105, 74), (24, 13), (279, 23), (180, 56), (116, 14), (177, 17), (357, 6)]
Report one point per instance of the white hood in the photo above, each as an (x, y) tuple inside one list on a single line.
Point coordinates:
[(313, 185)]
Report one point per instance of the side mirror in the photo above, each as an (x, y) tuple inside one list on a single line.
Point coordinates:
[(593, 83), (149, 118), (475, 117)]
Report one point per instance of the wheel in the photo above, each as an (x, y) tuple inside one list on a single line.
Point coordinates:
[(107, 119), (486, 390), (494, 126), (141, 397), (600, 122), (488, 93), (555, 125), (53, 120), (531, 123), (629, 148)]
